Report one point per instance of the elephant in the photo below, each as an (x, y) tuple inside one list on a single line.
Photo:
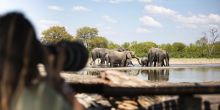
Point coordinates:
[(144, 61), (152, 56), (163, 58), (157, 56), (98, 53), (129, 62), (121, 58)]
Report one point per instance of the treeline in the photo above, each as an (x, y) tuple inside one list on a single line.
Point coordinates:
[(207, 46)]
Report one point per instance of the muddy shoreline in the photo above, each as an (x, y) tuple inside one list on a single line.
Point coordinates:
[(182, 61)]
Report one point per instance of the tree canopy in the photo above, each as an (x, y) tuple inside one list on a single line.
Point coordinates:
[(178, 46), (112, 45), (86, 32), (99, 41), (141, 49), (55, 34)]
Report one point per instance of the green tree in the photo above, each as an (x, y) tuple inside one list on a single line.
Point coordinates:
[(86, 33), (216, 50), (141, 49), (177, 50), (112, 45), (178, 46), (126, 45), (55, 34), (202, 45), (192, 51), (100, 42), (167, 47)]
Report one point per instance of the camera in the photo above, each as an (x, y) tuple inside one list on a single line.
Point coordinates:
[(76, 55)]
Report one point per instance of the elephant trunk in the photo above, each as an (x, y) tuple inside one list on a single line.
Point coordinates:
[(138, 60)]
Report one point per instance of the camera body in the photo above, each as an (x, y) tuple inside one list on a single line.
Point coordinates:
[(76, 55)]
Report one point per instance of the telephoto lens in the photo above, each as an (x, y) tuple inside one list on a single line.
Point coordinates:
[(76, 55)]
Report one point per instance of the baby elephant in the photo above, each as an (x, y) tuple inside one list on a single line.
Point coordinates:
[(130, 63), (144, 61)]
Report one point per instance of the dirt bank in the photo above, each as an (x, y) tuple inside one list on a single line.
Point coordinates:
[(174, 61), (191, 61)]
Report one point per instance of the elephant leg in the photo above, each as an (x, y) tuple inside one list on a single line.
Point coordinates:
[(111, 64), (167, 62), (107, 63), (146, 64), (162, 62), (123, 62), (155, 63), (150, 60), (151, 63), (102, 61), (126, 64)]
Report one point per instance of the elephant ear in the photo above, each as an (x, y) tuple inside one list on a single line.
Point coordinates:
[(128, 55)]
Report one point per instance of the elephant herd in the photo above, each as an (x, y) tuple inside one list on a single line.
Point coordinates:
[(122, 57)]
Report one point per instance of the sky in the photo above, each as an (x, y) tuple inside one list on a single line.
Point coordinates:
[(160, 21)]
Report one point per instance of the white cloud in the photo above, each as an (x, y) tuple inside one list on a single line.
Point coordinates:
[(145, 1), (109, 19), (119, 1), (198, 20), (153, 9), (142, 30), (80, 8), (191, 21), (122, 1), (149, 21), (195, 19), (55, 8), (97, 0), (113, 1)]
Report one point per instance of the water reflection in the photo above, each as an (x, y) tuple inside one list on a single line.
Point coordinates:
[(157, 75), (202, 74), (152, 75), (195, 74)]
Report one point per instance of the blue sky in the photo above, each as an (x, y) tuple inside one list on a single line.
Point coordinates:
[(160, 21)]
